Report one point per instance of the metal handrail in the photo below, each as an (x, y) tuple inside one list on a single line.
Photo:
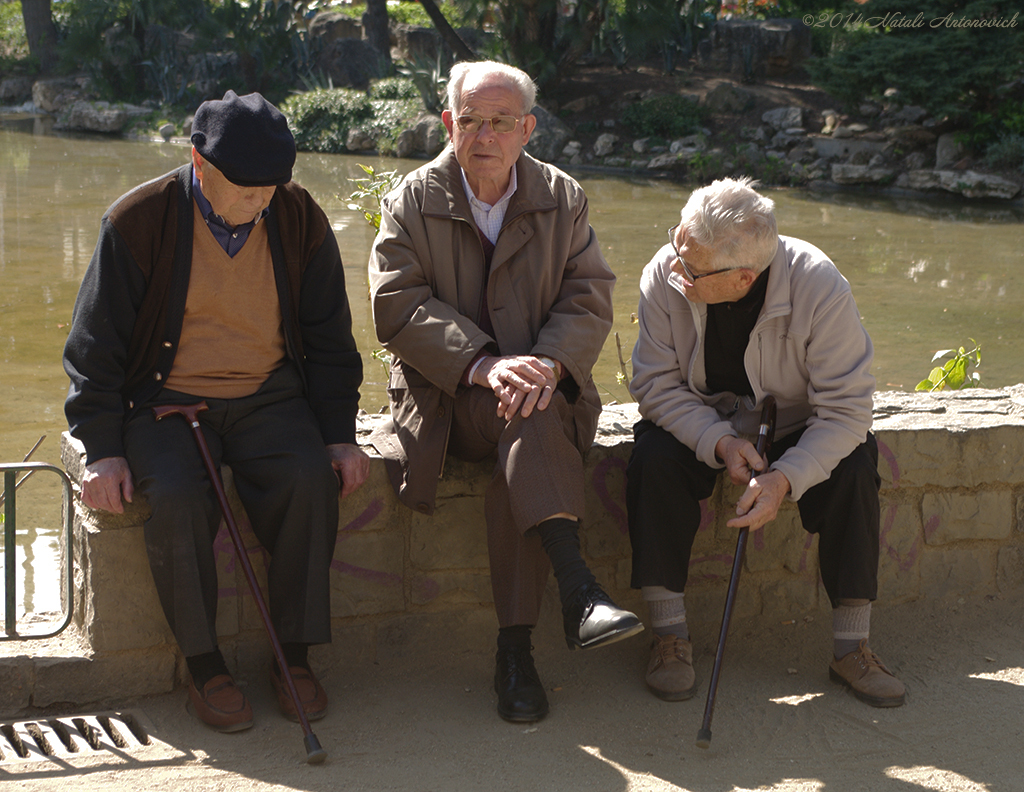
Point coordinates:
[(9, 500)]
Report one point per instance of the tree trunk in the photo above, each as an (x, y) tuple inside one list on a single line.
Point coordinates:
[(451, 38), (40, 31), (375, 23)]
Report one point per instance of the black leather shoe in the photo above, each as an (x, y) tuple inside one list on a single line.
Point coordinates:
[(521, 697), (592, 619)]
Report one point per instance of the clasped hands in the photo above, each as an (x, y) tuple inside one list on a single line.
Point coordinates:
[(765, 492), (521, 382)]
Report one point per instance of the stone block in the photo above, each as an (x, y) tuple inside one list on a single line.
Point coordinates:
[(958, 572), (901, 542), (455, 537), (783, 543), (95, 679), (791, 595), (120, 609), (402, 637), (1010, 568), (952, 516), (605, 532), (368, 574), (351, 644), (444, 589), (16, 677)]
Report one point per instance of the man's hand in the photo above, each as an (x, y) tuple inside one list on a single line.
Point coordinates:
[(760, 502), (351, 465), (105, 482), (521, 383), (740, 457)]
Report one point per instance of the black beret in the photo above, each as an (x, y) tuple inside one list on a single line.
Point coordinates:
[(246, 138)]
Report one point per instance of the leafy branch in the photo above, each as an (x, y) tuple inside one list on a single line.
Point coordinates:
[(376, 186), (953, 374)]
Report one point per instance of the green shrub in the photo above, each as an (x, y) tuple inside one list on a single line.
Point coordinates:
[(1006, 152), (13, 44), (941, 67), (394, 88), (663, 116), (321, 119)]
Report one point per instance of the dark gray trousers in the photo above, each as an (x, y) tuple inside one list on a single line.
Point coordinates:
[(666, 482), (283, 475)]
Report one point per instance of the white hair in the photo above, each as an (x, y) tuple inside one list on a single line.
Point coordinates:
[(736, 223), (513, 78)]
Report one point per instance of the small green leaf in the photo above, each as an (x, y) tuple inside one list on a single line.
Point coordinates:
[(924, 385), (940, 354)]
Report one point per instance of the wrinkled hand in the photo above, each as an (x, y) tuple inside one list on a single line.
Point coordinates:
[(765, 492), (760, 502), (105, 482), (521, 383), (351, 465)]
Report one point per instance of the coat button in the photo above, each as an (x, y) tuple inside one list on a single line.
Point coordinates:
[(158, 376), (422, 508), (440, 411), (168, 344)]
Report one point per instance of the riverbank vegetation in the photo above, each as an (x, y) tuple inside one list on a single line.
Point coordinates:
[(961, 61)]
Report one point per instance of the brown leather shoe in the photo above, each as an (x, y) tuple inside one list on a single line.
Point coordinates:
[(670, 673), (221, 705), (863, 672), (311, 694)]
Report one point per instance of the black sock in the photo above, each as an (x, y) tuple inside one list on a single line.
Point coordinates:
[(516, 638), (295, 654), (205, 667), (561, 541)]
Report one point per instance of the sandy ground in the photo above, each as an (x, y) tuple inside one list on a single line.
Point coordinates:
[(779, 723)]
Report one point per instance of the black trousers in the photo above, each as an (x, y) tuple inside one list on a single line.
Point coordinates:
[(666, 482), (284, 478)]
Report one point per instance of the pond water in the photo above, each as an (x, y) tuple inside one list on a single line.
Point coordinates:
[(926, 275)]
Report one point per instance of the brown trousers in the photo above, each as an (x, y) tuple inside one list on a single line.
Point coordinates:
[(538, 473)]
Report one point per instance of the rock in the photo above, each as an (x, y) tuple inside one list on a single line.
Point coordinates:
[(608, 123), (784, 117), (860, 174), (640, 145), (967, 183), (99, 116), (947, 151), (663, 161), (605, 144), (14, 90), (915, 160), (842, 133), (349, 63), (910, 136), (572, 148), (53, 95), (329, 26), (858, 128), (549, 137), (359, 140), (907, 115), (725, 98), (696, 142), (406, 144), (167, 131), (869, 109), (615, 162), (837, 148)]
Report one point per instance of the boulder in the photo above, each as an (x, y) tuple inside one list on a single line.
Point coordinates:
[(726, 98), (99, 116), (549, 136), (844, 173), (970, 184), (947, 151), (350, 63), (781, 118), (359, 140), (53, 95), (605, 144), (14, 90), (329, 26)]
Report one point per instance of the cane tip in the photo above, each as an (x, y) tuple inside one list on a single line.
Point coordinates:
[(314, 753), (704, 739)]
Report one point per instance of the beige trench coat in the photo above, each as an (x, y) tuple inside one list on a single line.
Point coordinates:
[(549, 293)]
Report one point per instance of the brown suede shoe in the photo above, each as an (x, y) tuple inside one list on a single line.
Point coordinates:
[(862, 671), (311, 694), (221, 705), (670, 670)]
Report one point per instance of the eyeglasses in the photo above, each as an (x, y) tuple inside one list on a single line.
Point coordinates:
[(502, 124), (690, 274)]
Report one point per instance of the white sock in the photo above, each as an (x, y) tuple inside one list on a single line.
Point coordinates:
[(851, 623), (668, 611)]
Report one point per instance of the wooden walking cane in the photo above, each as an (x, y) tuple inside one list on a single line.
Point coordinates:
[(314, 753), (765, 434)]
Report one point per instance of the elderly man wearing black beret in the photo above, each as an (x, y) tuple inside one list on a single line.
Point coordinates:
[(222, 281)]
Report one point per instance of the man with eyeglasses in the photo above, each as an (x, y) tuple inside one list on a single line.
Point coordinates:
[(489, 289), (731, 312)]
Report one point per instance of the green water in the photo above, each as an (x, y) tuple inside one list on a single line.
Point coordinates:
[(926, 275)]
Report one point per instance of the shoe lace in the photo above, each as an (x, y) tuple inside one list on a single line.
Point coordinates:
[(520, 661), (867, 659), (669, 648)]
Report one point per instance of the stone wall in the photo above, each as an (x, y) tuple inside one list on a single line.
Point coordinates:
[(952, 501)]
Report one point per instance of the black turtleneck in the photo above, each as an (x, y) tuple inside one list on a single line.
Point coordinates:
[(725, 341)]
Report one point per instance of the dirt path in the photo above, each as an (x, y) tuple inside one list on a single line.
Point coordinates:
[(779, 723)]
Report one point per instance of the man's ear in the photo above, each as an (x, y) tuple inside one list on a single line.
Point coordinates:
[(448, 120)]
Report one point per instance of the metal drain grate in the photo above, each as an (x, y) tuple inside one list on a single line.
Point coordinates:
[(71, 737)]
